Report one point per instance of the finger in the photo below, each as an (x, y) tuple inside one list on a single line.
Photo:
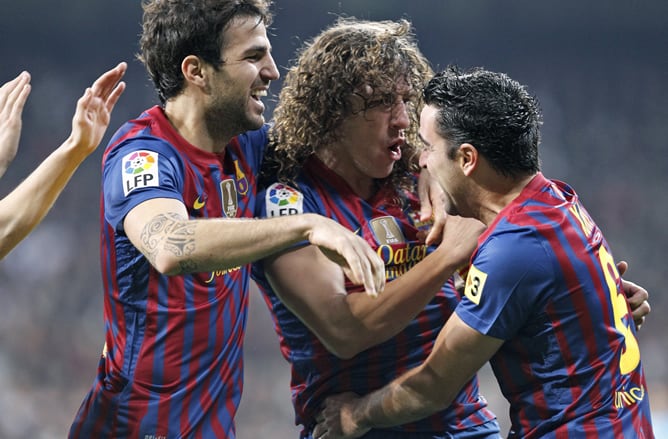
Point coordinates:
[(114, 96), (85, 99), (641, 310), (368, 272), (378, 271), (318, 431), (426, 209), (640, 313), (622, 266), (17, 93), (14, 84), (105, 84), (435, 234), (367, 267), (635, 294), (20, 101), (350, 264), (82, 108)]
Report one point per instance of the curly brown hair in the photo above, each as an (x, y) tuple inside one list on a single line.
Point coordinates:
[(349, 56)]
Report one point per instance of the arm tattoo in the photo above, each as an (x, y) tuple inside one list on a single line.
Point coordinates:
[(174, 234)]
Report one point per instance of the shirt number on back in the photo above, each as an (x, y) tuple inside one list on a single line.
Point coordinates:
[(631, 354)]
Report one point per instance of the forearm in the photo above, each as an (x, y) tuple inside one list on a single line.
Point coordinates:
[(413, 396), (401, 301), (458, 353), (426, 389), (176, 245), (28, 204), (349, 323)]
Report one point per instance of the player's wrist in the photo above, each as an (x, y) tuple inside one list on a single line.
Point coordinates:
[(74, 150)]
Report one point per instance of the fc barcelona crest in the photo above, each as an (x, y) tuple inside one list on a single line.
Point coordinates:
[(228, 193)]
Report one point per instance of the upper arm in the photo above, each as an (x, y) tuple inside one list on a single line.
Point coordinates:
[(506, 285), (458, 353), (313, 288), (147, 226)]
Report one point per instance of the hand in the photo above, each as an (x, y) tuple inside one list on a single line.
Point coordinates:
[(13, 96), (336, 419), (636, 296), (94, 108), (355, 256), (432, 205), (460, 238)]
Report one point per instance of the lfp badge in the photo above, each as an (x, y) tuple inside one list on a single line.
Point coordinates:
[(140, 169), (283, 200)]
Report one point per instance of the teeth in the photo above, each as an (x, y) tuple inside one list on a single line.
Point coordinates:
[(260, 93)]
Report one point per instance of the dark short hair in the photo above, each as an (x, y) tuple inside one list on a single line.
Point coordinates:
[(174, 29), (491, 111)]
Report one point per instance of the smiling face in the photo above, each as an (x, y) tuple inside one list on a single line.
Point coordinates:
[(237, 87)]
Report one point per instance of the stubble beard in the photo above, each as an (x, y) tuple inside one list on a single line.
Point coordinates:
[(227, 119)]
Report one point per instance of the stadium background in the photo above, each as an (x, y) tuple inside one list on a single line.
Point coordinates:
[(599, 68)]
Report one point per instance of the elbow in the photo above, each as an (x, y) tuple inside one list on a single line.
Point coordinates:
[(349, 337), (342, 352), (345, 346), (167, 263)]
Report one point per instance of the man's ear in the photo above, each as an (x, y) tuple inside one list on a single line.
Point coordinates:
[(467, 156), (193, 70)]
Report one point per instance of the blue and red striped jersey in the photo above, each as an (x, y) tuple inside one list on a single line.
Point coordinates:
[(389, 223), (172, 364), (544, 280)]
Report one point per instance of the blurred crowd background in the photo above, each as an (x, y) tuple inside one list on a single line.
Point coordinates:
[(599, 68)]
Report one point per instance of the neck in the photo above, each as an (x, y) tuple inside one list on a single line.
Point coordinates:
[(188, 117), (362, 185), (497, 194)]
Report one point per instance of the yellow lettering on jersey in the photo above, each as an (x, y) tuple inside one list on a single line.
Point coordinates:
[(585, 221), (215, 274), (403, 255), (629, 397), (475, 282), (400, 259)]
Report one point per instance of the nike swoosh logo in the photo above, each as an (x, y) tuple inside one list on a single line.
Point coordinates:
[(198, 204)]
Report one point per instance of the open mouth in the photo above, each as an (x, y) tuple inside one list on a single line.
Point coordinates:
[(395, 151), (258, 94)]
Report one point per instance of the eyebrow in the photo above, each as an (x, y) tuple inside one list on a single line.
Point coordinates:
[(423, 140), (258, 48)]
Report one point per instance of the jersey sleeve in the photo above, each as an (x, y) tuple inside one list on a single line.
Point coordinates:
[(506, 284), (280, 199), (136, 171)]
